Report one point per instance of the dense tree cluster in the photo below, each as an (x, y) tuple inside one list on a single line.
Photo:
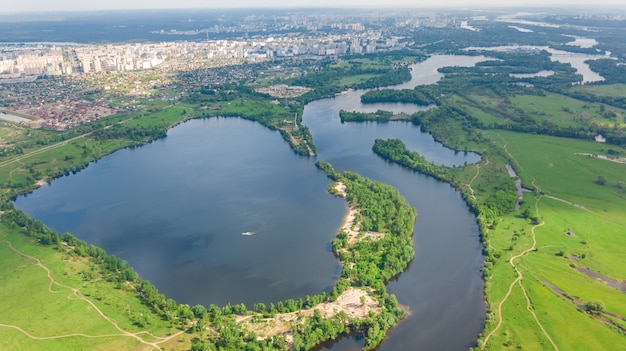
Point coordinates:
[(394, 150), (137, 134), (378, 116), (446, 123), (407, 96)]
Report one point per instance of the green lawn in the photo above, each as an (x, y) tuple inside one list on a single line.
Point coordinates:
[(51, 309)]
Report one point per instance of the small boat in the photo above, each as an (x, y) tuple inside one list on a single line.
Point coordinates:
[(248, 233)]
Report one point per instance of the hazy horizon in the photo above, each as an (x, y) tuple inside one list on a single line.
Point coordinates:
[(34, 6)]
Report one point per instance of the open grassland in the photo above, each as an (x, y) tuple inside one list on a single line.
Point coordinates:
[(51, 299), (485, 117), (549, 264), (550, 110), (553, 165), (537, 297), (567, 112), (608, 90)]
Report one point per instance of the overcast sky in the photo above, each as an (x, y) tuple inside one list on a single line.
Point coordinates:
[(9, 6)]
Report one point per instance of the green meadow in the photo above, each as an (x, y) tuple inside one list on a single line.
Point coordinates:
[(566, 112), (583, 226), (607, 90), (55, 297)]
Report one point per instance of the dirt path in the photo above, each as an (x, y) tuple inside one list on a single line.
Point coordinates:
[(569, 203), (469, 185), (621, 160), (518, 280), (58, 336), (76, 292), (41, 150), (50, 147), (520, 276), (511, 156), (530, 309)]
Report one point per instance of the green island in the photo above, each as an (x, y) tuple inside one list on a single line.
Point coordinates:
[(554, 267), (378, 116)]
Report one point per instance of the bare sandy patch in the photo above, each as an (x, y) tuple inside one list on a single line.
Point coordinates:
[(350, 225), (341, 189), (355, 303)]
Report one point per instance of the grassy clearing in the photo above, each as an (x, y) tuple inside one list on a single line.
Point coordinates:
[(356, 79), (611, 90), (52, 308), (567, 112), (557, 170), (486, 118)]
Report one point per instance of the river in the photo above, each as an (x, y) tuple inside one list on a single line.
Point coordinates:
[(443, 285), (176, 209), (576, 60)]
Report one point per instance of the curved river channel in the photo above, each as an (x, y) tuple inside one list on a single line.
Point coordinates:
[(176, 209)]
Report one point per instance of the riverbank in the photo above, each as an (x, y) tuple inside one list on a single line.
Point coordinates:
[(350, 224)]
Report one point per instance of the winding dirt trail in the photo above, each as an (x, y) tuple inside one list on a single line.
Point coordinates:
[(519, 278), (76, 292), (530, 309), (469, 185)]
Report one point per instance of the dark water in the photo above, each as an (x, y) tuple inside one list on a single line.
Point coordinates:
[(176, 208), (443, 285)]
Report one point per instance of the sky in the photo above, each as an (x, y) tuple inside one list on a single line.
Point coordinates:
[(12, 6)]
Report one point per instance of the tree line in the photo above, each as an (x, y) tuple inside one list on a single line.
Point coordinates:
[(407, 96)]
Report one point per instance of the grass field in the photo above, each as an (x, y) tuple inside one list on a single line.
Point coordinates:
[(567, 112), (611, 90), (557, 170), (583, 225), (560, 110), (61, 307)]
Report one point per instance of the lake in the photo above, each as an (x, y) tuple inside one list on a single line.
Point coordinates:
[(176, 209)]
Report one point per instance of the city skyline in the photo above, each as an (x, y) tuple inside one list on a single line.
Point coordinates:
[(18, 6)]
